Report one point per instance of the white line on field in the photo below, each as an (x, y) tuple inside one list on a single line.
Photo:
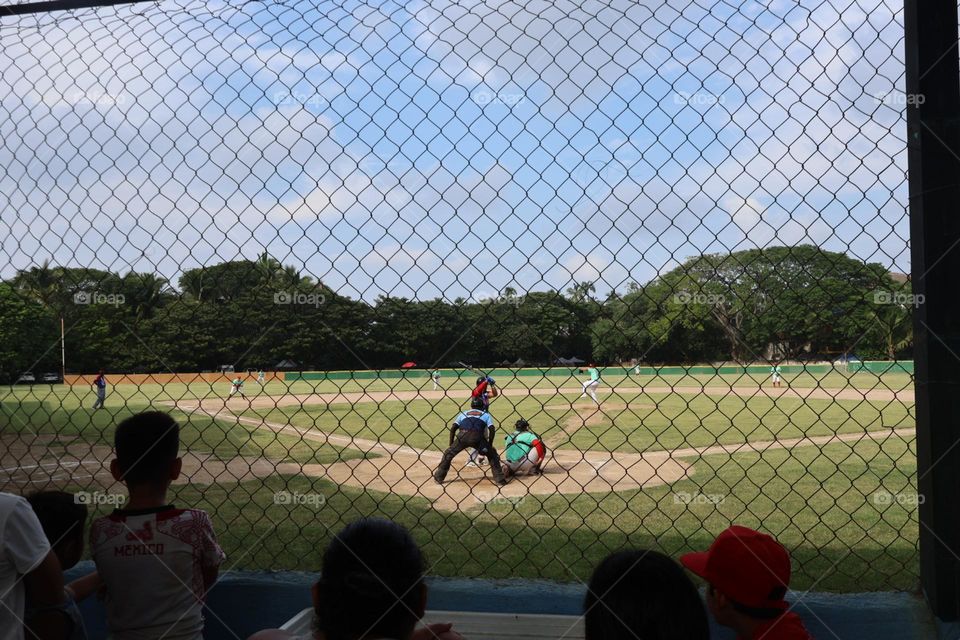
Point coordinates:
[(50, 464)]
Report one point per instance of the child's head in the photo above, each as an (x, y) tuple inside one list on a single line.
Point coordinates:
[(146, 446), (63, 521), (747, 574), (643, 594), (371, 583)]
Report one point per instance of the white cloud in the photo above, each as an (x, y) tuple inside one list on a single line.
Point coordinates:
[(745, 212)]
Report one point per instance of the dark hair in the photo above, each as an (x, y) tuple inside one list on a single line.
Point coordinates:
[(61, 516), (370, 582), (146, 445), (522, 425), (476, 403), (643, 594)]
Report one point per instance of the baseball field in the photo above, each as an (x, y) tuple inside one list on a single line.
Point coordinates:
[(826, 462)]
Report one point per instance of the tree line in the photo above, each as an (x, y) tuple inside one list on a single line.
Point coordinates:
[(780, 302)]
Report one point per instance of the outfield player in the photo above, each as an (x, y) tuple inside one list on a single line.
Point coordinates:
[(100, 382), (590, 386), (473, 428), (261, 377), (436, 379), (524, 451), (237, 387), (775, 375)]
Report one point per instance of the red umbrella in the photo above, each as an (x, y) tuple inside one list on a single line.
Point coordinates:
[(408, 365)]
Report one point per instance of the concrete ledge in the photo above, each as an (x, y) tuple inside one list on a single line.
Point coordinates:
[(245, 602)]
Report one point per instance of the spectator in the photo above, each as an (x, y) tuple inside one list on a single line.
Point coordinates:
[(29, 569), (747, 574), (371, 586), (63, 520), (157, 562), (643, 594)]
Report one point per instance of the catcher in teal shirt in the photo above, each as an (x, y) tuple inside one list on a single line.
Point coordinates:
[(524, 451)]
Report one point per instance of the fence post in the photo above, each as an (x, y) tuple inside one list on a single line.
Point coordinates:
[(933, 110)]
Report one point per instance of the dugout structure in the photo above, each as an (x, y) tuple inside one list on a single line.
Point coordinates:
[(325, 191)]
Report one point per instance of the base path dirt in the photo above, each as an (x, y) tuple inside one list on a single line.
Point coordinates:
[(36, 462)]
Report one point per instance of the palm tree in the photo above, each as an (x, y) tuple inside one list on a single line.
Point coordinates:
[(581, 291), (44, 284), (147, 292)]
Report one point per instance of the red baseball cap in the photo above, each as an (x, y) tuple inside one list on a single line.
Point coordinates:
[(748, 566)]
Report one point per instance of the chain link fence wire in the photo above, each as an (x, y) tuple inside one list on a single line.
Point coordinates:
[(328, 202)]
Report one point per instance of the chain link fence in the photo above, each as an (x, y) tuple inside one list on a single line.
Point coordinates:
[(310, 230)]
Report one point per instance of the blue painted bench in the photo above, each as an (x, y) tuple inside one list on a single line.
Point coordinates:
[(244, 602)]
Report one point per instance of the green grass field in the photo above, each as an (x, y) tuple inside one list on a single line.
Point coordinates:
[(830, 504)]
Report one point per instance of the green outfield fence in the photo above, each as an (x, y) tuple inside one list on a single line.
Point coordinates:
[(339, 189), (901, 366)]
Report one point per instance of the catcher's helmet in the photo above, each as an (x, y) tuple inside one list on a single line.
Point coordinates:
[(522, 424), (476, 403)]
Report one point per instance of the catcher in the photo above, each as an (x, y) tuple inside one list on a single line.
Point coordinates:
[(524, 451), (472, 429)]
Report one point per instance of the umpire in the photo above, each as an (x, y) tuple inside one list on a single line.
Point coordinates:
[(476, 431)]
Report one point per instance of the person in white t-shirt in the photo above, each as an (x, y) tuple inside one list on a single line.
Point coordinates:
[(157, 562), (28, 567)]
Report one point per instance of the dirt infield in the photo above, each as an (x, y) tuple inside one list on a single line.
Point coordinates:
[(49, 461), (408, 471)]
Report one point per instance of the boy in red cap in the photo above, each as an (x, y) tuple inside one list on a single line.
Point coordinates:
[(747, 574)]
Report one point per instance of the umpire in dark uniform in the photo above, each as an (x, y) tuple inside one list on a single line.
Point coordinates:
[(472, 429)]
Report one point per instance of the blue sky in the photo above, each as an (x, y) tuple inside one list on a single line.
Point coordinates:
[(431, 149)]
